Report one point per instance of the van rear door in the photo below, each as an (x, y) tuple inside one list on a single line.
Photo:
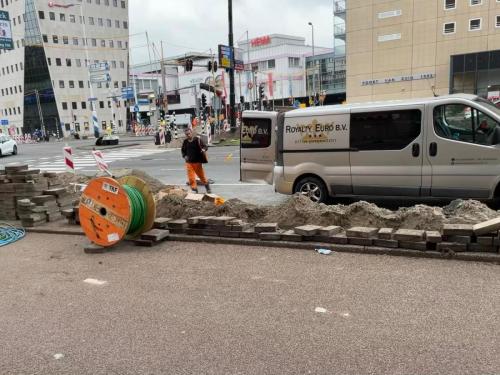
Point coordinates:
[(258, 146)]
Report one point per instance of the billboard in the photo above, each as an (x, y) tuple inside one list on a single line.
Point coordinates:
[(5, 31), (239, 65), (226, 57)]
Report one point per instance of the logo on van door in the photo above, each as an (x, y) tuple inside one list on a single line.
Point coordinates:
[(316, 132)]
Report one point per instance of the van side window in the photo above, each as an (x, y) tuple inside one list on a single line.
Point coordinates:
[(387, 130), (256, 133), (462, 123)]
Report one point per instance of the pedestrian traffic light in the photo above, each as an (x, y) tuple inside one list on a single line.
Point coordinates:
[(203, 101), (261, 91), (188, 65)]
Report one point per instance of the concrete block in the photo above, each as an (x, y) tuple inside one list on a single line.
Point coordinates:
[(413, 245), (361, 241), (458, 239), (291, 236), (385, 233), (386, 243), (487, 226), (210, 233), (458, 230), (177, 224), (330, 230), (339, 239), (409, 235), (249, 234), (477, 247), (194, 220), (205, 219), (155, 235), (485, 241), (361, 232), (194, 232), (307, 230), (270, 236), (177, 230), (161, 222), (230, 234), (144, 243), (446, 247), (433, 236), (266, 227), (221, 220)]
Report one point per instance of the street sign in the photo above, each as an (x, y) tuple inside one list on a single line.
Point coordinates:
[(5, 31), (136, 108), (104, 77), (127, 93), (4, 122), (99, 67), (239, 65), (225, 56)]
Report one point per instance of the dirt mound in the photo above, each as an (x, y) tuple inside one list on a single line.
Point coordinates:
[(154, 184), (67, 178), (299, 210)]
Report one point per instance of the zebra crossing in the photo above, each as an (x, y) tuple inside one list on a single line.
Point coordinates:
[(83, 160)]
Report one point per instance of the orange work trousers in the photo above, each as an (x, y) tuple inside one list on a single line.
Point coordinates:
[(193, 170)]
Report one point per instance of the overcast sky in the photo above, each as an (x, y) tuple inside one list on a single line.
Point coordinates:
[(197, 25)]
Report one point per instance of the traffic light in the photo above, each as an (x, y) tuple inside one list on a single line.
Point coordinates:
[(212, 66), (203, 101), (261, 91)]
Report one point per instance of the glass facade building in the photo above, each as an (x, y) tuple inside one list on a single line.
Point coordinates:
[(329, 74)]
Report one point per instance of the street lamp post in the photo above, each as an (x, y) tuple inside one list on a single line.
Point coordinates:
[(313, 60)]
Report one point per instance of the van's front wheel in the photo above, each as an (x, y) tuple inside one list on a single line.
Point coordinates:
[(313, 188)]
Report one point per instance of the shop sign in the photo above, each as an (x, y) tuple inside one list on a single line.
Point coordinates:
[(412, 77), (261, 41)]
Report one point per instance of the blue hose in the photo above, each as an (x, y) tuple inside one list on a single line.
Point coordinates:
[(10, 234)]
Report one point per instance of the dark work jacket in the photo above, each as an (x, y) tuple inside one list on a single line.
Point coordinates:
[(193, 150)]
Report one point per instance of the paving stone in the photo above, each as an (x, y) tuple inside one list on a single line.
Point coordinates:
[(194, 232), (210, 233), (249, 234), (361, 241), (458, 239), (230, 234), (220, 220), (161, 222), (413, 245), (270, 236), (330, 230), (485, 241), (291, 236), (194, 220), (486, 227), (385, 243), (177, 230), (477, 247), (361, 232), (266, 227), (239, 228), (42, 199), (385, 233), (205, 219), (458, 230), (446, 247), (156, 235), (409, 235), (433, 236), (177, 224), (198, 226), (144, 243), (307, 230)]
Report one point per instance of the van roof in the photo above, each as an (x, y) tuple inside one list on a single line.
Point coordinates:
[(340, 107)]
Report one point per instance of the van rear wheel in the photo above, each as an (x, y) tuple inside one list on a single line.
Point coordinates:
[(313, 188)]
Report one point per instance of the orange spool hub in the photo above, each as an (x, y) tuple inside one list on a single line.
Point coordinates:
[(105, 213)]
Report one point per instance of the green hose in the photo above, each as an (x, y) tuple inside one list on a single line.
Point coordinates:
[(137, 208)]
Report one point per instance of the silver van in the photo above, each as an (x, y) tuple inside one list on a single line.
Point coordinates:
[(439, 147)]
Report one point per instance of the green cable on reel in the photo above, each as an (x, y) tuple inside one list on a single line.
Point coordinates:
[(137, 207)]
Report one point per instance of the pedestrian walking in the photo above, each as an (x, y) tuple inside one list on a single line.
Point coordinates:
[(194, 152)]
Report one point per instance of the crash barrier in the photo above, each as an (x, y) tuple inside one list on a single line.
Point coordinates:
[(143, 131), (113, 209), (23, 139)]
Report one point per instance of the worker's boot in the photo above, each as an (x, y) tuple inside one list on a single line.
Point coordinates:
[(207, 187), (195, 190)]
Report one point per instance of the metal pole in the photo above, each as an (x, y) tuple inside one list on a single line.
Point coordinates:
[(40, 113), (163, 79), (249, 71), (231, 71), (95, 120), (313, 61)]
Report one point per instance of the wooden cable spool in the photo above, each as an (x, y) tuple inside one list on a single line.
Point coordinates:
[(106, 209)]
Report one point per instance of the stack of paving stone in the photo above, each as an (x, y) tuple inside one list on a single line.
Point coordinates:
[(19, 182), (72, 214), (65, 200), (30, 214)]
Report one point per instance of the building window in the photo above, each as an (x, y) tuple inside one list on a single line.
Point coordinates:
[(122, 64), (80, 84), (75, 41), (78, 62), (58, 61), (74, 105), (72, 18), (101, 104), (475, 24), (41, 14), (99, 22), (65, 106), (123, 4), (115, 3), (61, 84), (125, 24), (117, 24), (449, 28), (124, 83), (103, 43), (450, 4), (497, 22), (108, 22), (84, 105), (103, 125), (271, 64), (68, 62), (55, 39), (119, 44), (475, 2), (91, 20), (111, 44), (71, 84), (94, 42), (113, 64), (116, 84), (52, 16), (65, 40), (49, 61), (62, 17), (293, 62), (67, 126), (45, 38), (106, 2), (77, 126)]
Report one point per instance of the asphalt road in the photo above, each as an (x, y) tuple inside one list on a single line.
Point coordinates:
[(168, 166), (213, 309)]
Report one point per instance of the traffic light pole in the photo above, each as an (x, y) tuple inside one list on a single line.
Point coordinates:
[(232, 99)]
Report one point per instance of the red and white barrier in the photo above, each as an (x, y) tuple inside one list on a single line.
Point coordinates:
[(68, 159), (162, 136), (99, 160)]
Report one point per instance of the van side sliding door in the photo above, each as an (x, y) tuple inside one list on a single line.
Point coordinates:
[(386, 151)]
